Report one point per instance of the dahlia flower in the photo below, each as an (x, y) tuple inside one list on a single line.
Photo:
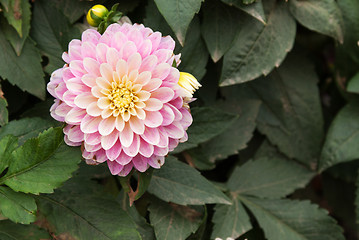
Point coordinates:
[(120, 97)]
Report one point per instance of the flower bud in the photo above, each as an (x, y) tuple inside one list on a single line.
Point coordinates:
[(189, 83), (96, 14)]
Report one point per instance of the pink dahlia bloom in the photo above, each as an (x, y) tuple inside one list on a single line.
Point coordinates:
[(119, 96)]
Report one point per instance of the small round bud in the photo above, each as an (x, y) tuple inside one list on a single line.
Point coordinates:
[(96, 14)]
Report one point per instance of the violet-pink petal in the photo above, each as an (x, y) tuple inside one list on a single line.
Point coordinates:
[(175, 130), (90, 124), (69, 98), (76, 86), (151, 135), (126, 136), (153, 119), (163, 55), (149, 63), (92, 138), (161, 71), (123, 158), (90, 35), (62, 110), (92, 148), (127, 50), (114, 151), (153, 104), (101, 50), (88, 49), (71, 143), (164, 94), (146, 149), (92, 67), (167, 115), (75, 134), (75, 115), (167, 42), (126, 170), (133, 149), (140, 163), (152, 85), (145, 48), (114, 167), (155, 39), (84, 100), (160, 151), (108, 141), (77, 68), (156, 161)]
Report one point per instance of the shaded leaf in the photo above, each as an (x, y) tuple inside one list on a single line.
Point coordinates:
[(292, 219), (178, 14), (95, 217), (7, 145), (169, 220), (13, 231), (52, 32), (291, 115), (16, 41), (353, 85), (255, 9), (45, 160), (18, 207), (230, 221), (179, 183), (25, 70), (207, 123), (14, 13), (25, 128), (342, 138), (259, 48), (4, 114), (73, 9), (219, 28), (269, 177), (322, 16), (350, 9)]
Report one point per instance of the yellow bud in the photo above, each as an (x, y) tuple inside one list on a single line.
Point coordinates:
[(99, 11), (189, 83)]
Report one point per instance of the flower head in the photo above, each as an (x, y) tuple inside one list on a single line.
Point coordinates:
[(120, 97)]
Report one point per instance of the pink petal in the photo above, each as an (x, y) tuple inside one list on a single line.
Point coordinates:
[(160, 151), (133, 149), (145, 48), (186, 120), (123, 158), (149, 63), (92, 66), (119, 40), (93, 110), (77, 68), (108, 141), (175, 130), (69, 98), (75, 50), (163, 139), (122, 68), (177, 102), (90, 124), (167, 114), (106, 72), (76, 86), (126, 136), (92, 138), (120, 124), (88, 49), (140, 163), (152, 85), (164, 94), (128, 49), (92, 148), (134, 62), (67, 74), (114, 167), (173, 76), (167, 42), (153, 104), (62, 110), (115, 151), (163, 55), (96, 92), (135, 36), (161, 71), (153, 119), (156, 161), (75, 116), (90, 35), (75, 134), (112, 57), (71, 143), (89, 80), (151, 135), (60, 90), (106, 126), (126, 170), (137, 125), (146, 149), (101, 50), (84, 100), (155, 39), (143, 78)]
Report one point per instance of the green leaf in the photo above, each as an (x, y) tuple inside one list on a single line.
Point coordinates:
[(16, 41), (291, 115), (169, 220), (322, 16), (353, 85), (45, 160), (235, 137), (259, 48), (219, 27), (25, 128), (52, 32), (145, 230), (74, 10), (4, 114), (13, 13), (95, 217), (255, 9), (13, 231), (230, 221), (179, 183), (207, 123), (194, 55), (178, 14), (350, 9), (269, 177), (342, 138), (7, 145), (25, 70), (292, 219), (357, 200), (18, 207)]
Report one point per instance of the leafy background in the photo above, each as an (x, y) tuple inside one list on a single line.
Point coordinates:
[(271, 153)]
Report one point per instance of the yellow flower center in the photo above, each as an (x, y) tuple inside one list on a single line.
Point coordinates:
[(121, 98)]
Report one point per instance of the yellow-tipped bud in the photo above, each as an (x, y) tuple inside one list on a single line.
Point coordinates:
[(189, 83), (98, 14)]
